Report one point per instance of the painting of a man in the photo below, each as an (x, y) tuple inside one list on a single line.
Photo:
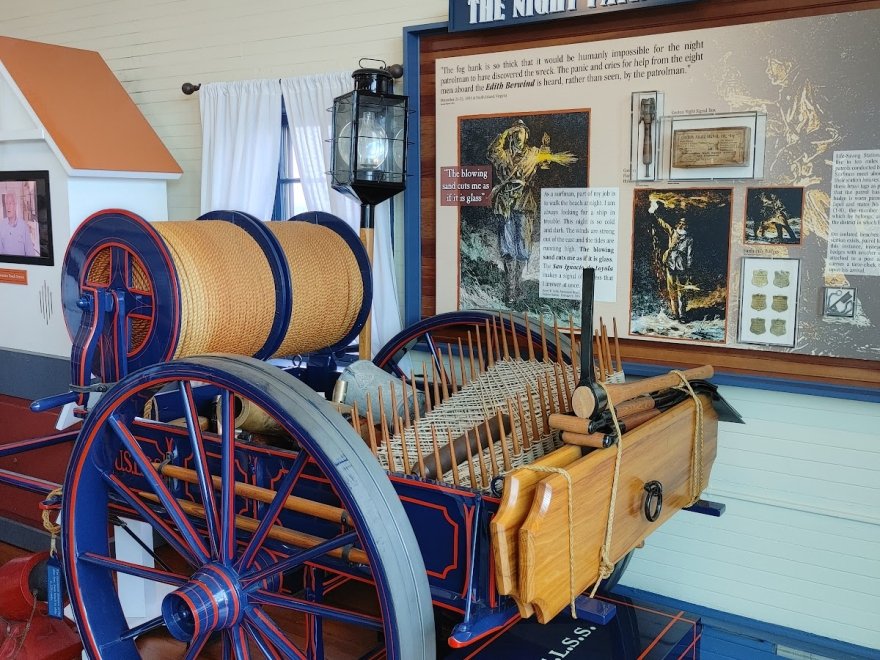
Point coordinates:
[(680, 263), (513, 197), (773, 215), (15, 234), (499, 262)]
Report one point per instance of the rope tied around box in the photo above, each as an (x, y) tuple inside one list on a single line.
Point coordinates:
[(696, 480)]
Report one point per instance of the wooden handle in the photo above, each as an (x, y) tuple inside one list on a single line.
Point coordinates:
[(626, 391), (595, 440), (638, 404), (584, 404)]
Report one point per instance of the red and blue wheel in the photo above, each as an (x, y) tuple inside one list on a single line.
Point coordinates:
[(268, 549)]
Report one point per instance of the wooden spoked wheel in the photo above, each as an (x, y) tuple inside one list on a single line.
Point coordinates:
[(271, 549)]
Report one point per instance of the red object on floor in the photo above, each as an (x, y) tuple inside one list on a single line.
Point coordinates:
[(46, 639), (27, 632)]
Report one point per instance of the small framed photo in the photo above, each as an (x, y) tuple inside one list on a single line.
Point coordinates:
[(773, 216), (840, 302), (769, 301)]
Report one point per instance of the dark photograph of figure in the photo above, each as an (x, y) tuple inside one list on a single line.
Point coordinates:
[(498, 244), (773, 216), (681, 244)]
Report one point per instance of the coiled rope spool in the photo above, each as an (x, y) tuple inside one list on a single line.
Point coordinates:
[(224, 283)]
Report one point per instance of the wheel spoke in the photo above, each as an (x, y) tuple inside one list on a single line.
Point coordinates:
[(239, 642), (174, 539), (227, 469), (309, 607), (262, 642), (263, 625), (206, 484), (160, 489), (271, 513), (120, 566), (196, 646), (251, 581), (147, 626)]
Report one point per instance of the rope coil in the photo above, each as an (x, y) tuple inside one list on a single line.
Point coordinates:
[(221, 271), (327, 286)]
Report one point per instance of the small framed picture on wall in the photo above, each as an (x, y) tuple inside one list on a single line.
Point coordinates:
[(840, 302), (769, 301)]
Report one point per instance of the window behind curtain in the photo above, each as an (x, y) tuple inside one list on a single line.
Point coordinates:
[(289, 197)]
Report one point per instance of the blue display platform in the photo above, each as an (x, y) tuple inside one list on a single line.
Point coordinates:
[(638, 632)]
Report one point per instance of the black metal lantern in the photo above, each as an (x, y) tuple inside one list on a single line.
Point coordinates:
[(368, 159), (368, 156)]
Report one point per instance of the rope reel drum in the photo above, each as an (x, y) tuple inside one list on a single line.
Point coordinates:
[(136, 293)]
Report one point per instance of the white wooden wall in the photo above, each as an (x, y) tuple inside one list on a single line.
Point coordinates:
[(799, 544), (154, 47)]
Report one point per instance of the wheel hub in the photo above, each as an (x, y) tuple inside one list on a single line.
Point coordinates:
[(210, 601)]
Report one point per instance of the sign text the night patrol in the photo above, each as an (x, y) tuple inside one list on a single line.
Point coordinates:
[(483, 14)]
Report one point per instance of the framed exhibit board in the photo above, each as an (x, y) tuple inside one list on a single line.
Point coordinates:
[(670, 148)]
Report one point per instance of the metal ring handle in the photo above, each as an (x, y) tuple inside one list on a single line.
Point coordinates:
[(653, 500)]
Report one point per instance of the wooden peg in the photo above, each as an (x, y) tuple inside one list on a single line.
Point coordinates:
[(452, 456), (490, 353), (505, 451), (504, 337), (481, 366), (529, 337), (405, 395), (471, 355), (527, 441), (566, 389), (533, 414), (355, 418), (470, 460), (490, 445), (404, 450), (601, 355), (438, 468), (417, 415), (544, 338), (575, 349), (556, 338), (496, 338), (553, 404), (444, 383), (371, 427), (421, 459), (607, 347), (516, 446), (453, 381), (516, 353), (427, 386), (542, 408), (617, 345), (383, 420), (483, 474), (461, 364)]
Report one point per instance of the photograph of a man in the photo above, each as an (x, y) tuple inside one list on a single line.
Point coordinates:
[(16, 238)]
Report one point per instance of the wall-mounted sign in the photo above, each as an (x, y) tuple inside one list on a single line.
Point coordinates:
[(13, 276), (485, 14)]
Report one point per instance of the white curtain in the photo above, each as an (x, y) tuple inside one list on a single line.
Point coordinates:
[(241, 145), (307, 100)]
